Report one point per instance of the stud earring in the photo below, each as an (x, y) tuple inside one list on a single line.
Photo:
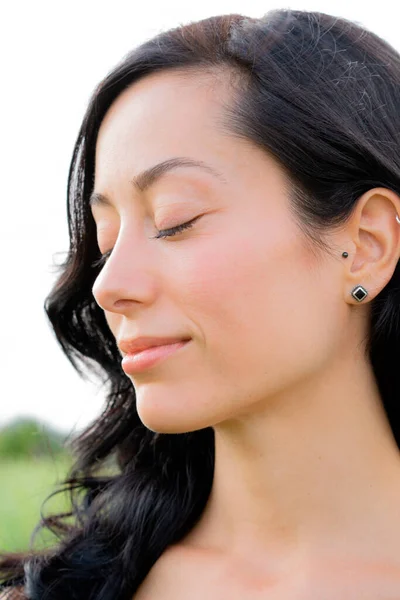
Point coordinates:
[(397, 218), (359, 293)]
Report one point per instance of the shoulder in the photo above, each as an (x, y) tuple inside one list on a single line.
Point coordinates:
[(173, 575), (159, 579)]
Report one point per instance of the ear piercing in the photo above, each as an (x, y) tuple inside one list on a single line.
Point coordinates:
[(359, 292)]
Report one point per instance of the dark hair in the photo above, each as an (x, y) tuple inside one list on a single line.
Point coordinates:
[(321, 95)]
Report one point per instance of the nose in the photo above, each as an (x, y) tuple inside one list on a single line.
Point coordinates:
[(127, 278)]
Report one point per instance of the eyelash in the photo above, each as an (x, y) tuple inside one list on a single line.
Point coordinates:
[(163, 233)]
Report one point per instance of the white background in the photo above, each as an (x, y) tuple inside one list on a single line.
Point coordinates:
[(52, 56)]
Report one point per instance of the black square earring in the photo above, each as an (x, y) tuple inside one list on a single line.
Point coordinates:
[(359, 293)]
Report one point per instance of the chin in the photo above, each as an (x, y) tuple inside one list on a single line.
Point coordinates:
[(171, 423), (172, 410), (172, 419)]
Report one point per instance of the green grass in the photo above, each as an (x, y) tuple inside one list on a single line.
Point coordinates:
[(24, 485)]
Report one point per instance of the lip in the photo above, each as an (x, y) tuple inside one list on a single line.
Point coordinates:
[(145, 359), (134, 345)]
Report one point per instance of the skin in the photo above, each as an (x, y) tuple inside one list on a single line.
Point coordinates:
[(307, 475)]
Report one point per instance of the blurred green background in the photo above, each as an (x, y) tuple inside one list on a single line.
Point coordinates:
[(33, 460)]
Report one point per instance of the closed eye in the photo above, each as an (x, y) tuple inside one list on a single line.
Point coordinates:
[(162, 233)]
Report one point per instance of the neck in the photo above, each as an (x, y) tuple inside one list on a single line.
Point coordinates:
[(315, 467)]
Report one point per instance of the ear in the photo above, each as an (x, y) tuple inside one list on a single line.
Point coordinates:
[(373, 235)]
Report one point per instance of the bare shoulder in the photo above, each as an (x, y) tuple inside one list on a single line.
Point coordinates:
[(184, 573), (157, 582), (163, 578), (176, 576)]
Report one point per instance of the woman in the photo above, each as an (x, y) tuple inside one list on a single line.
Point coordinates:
[(233, 206)]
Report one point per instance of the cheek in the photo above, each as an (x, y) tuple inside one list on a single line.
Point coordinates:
[(234, 282), (262, 306)]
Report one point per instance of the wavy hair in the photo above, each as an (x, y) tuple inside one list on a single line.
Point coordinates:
[(322, 95)]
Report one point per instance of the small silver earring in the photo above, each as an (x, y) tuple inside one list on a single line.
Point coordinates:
[(359, 293), (397, 218)]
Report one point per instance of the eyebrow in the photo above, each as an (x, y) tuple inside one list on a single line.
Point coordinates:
[(143, 180)]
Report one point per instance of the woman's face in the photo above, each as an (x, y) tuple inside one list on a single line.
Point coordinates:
[(261, 311)]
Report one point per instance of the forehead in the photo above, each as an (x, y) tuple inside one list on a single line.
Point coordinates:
[(160, 116), (166, 115), (160, 99)]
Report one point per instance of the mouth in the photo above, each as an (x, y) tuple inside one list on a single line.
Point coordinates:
[(149, 357)]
